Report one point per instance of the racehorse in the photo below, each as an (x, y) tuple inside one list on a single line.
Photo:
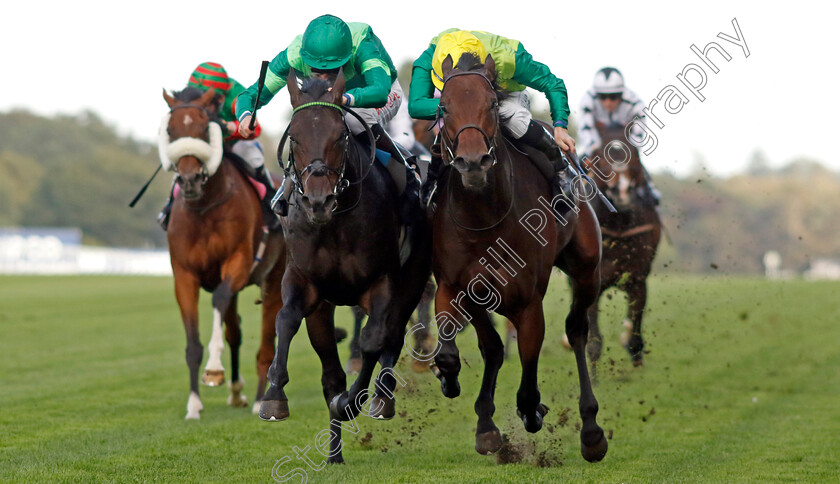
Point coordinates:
[(490, 213), (630, 236), (216, 242), (342, 235)]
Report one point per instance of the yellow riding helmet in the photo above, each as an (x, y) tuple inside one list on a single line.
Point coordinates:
[(454, 44)]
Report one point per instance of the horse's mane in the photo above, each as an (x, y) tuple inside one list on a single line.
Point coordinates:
[(188, 94), (470, 61), (315, 87)]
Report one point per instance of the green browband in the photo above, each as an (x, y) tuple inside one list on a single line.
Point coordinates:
[(316, 103)]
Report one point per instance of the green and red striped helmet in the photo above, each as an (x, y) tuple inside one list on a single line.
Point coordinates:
[(210, 74)]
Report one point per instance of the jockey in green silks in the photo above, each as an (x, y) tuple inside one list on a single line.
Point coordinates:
[(212, 75), (516, 70), (371, 79)]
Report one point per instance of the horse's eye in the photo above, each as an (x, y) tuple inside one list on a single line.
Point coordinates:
[(494, 104), (442, 109)]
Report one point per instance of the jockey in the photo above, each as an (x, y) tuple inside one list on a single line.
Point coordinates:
[(372, 87), (609, 102), (515, 69), (211, 74)]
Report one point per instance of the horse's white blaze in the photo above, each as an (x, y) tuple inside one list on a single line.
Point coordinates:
[(217, 343), (187, 120), (194, 406), (623, 186)]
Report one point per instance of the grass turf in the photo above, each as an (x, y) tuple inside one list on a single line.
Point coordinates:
[(741, 383)]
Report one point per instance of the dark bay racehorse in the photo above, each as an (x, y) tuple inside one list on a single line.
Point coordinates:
[(342, 234), (630, 236), (214, 235), (495, 244)]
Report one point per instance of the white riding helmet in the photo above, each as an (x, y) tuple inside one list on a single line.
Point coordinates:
[(608, 81)]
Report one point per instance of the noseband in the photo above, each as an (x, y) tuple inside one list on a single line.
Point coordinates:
[(450, 145), (204, 173)]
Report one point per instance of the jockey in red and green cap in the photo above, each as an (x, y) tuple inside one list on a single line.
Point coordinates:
[(212, 75), (327, 45), (515, 70)]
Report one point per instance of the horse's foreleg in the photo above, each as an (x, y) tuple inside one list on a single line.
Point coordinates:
[(186, 292), (298, 300), (594, 344), (374, 338), (530, 332), (488, 439), (447, 359), (214, 372), (637, 299), (233, 335), (271, 305), (355, 363), (580, 260), (320, 325)]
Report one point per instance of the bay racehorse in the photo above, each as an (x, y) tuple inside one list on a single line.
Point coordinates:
[(342, 234), (630, 235), (216, 242), (496, 239)]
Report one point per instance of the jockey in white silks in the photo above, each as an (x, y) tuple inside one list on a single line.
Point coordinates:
[(610, 102)]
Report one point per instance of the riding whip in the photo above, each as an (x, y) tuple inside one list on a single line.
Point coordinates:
[(260, 84), (603, 198), (143, 190)]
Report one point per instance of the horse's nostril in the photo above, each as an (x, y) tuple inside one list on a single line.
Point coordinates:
[(486, 161)]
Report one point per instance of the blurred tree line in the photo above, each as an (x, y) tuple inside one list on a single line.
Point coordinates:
[(77, 171)]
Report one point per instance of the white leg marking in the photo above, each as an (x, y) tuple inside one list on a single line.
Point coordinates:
[(256, 408), (217, 343), (194, 406)]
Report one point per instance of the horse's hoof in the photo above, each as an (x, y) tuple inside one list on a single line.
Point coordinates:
[(450, 387), (274, 410), (488, 442), (624, 339), (237, 401), (340, 335), (596, 451), (341, 408), (354, 366), (194, 406), (213, 378), (533, 423), (565, 342), (382, 408), (338, 459), (637, 362)]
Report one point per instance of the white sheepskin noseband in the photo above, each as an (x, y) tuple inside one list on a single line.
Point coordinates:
[(208, 153)]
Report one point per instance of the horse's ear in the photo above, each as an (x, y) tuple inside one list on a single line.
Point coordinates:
[(446, 66), (169, 99), (294, 90), (207, 98), (490, 68), (338, 87)]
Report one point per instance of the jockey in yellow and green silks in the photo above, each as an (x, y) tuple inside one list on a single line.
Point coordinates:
[(515, 70)]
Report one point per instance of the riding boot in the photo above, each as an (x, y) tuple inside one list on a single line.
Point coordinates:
[(163, 216), (651, 195), (538, 137), (280, 202), (428, 192), (262, 176)]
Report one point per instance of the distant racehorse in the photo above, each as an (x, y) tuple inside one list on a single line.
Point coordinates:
[(343, 236), (486, 259), (216, 242), (630, 236)]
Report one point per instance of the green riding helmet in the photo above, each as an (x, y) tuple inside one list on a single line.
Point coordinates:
[(327, 43)]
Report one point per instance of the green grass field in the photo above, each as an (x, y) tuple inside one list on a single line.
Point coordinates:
[(741, 384)]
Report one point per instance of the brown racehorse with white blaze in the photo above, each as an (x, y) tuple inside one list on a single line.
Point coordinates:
[(488, 188), (214, 235)]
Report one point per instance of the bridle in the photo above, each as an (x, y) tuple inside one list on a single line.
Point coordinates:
[(450, 145), (342, 183)]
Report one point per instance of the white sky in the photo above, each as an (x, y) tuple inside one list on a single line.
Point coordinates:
[(114, 58)]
